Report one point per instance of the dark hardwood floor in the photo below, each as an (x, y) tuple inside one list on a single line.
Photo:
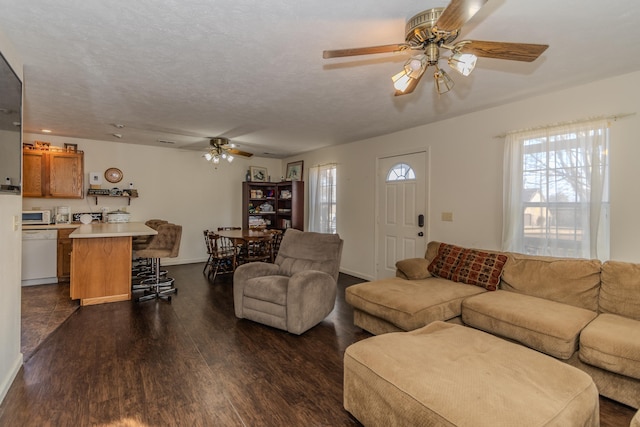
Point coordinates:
[(191, 363)]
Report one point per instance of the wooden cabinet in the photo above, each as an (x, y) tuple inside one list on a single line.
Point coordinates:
[(64, 254), (275, 205), (53, 173), (33, 173), (101, 269), (290, 205)]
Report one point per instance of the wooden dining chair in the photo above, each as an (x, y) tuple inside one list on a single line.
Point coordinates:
[(209, 245), (223, 255), (256, 249), (276, 238)]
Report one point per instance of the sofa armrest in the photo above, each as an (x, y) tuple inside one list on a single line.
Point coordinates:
[(311, 295), (413, 269), (244, 273)]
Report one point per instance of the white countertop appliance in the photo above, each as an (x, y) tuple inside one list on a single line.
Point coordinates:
[(36, 217), (118, 216), (39, 257), (63, 215)]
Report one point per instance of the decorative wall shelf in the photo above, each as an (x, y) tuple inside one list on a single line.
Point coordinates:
[(99, 192)]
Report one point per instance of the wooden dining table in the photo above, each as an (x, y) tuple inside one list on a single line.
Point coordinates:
[(245, 234), (242, 237)]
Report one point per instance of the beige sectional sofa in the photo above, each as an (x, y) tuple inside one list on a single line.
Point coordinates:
[(583, 312)]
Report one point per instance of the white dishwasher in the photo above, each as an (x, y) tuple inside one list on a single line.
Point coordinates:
[(39, 257)]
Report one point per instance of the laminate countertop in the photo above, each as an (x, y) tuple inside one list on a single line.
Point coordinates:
[(50, 226), (108, 229)]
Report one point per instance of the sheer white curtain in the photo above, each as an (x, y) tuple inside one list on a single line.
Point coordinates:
[(556, 191), (322, 198)]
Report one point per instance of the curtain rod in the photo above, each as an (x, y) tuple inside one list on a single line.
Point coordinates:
[(325, 164), (570, 122)]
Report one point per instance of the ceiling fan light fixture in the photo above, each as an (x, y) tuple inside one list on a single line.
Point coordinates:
[(412, 70), (443, 82), (401, 81), (464, 63)]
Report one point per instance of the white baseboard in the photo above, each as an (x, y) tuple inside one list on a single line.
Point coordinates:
[(357, 274), (11, 375)]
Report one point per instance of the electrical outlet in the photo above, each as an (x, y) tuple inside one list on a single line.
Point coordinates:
[(447, 216)]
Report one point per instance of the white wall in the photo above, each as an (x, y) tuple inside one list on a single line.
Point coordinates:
[(466, 170), (10, 266), (177, 185)]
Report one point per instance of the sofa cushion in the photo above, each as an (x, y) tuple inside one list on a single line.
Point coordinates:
[(620, 289), (413, 269), (468, 266), (547, 326), (410, 304), (567, 280), (612, 342), (268, 288)]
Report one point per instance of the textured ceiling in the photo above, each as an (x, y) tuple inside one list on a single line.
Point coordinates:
[(182, 70)]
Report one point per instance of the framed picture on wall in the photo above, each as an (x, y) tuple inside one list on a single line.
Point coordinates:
[(294, 171), (258, 174)]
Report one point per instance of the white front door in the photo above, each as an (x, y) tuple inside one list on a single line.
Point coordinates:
[(402, 197)]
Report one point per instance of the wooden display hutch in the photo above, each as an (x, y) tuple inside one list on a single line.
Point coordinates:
[(278, 205), (52, 172)]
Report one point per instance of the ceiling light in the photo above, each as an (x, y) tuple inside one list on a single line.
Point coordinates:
[(464, 63), (442, 81), (46, 130), (412, 71), (117, 135), (217, 152)]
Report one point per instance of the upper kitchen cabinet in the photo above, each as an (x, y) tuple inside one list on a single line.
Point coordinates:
[(53, 172)]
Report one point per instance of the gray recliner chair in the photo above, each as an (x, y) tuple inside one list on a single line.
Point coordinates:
[(298, 290)]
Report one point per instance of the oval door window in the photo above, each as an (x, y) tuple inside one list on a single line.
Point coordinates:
[(400, 172)]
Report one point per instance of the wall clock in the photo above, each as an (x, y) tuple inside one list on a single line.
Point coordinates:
[(113, 175)]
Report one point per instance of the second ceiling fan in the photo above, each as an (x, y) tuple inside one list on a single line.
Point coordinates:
[(435, 29), (220, 148)]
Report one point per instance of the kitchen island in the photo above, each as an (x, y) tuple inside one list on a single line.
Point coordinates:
[(101, 261)]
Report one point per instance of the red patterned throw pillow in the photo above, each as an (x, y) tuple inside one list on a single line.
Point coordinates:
[(468, 266)]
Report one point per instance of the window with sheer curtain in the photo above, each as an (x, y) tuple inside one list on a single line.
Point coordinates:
[(556, 191), (322, 199)]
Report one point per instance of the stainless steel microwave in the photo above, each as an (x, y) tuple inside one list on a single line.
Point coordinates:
[(41, 217)]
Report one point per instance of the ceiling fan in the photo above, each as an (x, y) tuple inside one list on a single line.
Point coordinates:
[(220, 148), (432, 30)]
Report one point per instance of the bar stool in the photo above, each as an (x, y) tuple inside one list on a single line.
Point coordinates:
[(165, 244), (141, 267)]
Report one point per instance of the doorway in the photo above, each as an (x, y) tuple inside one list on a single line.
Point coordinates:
[(402, 223)]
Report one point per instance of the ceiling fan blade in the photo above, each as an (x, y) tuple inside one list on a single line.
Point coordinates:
[(237, 152), (412, 86), (457, 13), (364, 50), (502, 50)]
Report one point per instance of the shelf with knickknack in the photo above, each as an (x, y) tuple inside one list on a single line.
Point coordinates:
[(273, 205), (113, 192)]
